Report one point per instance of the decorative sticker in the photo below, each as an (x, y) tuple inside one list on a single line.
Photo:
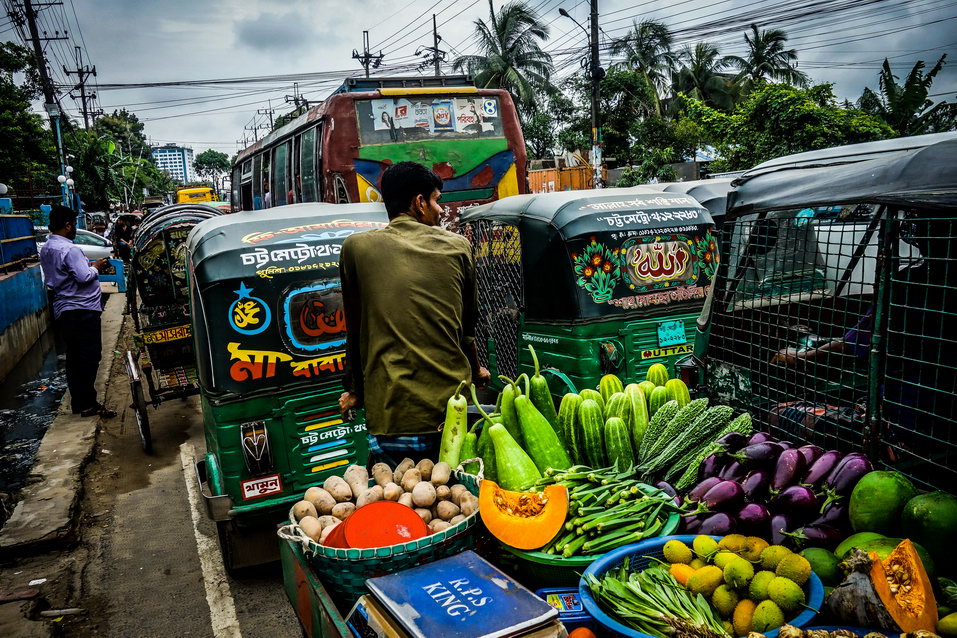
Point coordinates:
[(314, 317), (442, 116), (248, 315), (264, 486), (597, 267)]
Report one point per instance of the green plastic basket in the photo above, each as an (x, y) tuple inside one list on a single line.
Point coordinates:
[(344, 571)]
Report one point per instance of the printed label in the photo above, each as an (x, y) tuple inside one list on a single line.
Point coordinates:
[(257, 488), (667, 352), (168, 334)]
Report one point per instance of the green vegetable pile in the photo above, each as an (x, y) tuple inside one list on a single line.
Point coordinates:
[(652, 602)]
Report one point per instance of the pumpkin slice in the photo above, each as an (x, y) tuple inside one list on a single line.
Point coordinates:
[(902, 584), (523, 520)]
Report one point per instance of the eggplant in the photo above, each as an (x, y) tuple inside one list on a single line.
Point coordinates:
[(835, 515), (691, 524), (756, 486), (759, 454), (780, 524), (822, 468), (815, 536), (855, 458), (720, 524), (734, 472), (797, 501), (732, 441), (810, 453), (760, 437), (842, 482), (725, 496), (787, 445), (754, 519), (711, 466), (701, 488), (666, 488), (788, 470)]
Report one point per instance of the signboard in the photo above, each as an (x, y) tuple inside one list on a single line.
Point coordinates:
[(168, 334), (671, 333), (257, 488), (657, 353)]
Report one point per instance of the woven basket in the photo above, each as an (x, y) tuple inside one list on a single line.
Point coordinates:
[(344, 571)]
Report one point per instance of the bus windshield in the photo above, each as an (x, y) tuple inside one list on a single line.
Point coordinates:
[(407, 119)]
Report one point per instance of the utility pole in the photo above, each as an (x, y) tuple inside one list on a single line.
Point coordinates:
[(297, 98), (435, 46), (83, 72), (52, 108), (366, 59), (597, 73), (270, 111), (432, 55)]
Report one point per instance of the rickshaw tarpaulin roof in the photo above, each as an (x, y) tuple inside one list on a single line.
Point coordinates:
[(912, 171)]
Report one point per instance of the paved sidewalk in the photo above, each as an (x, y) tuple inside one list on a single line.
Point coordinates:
[(45, 514)]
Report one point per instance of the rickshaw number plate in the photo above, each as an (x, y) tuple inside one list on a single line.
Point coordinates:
[(671, 333)]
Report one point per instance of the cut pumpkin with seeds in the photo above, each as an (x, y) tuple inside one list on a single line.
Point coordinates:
[(523, 520)]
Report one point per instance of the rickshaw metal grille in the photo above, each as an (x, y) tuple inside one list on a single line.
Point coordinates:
[(497, 251), (829, 331)]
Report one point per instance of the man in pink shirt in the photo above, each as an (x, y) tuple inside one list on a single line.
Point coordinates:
[(77, 306)]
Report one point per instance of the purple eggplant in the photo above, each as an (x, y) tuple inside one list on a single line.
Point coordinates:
[(732, 441), (720, 524), (810, 453), (756, 486), (725, 496), (759, 454), (734, 472), (780, 524), (798, 502), (711, 466), (692, 524), (760, 437), (841, 483), (701, 488), (788, 470), (822, 468), (854, 457), (787, 445), (815, 536), (754, 519), (666, 488), (834, 515)]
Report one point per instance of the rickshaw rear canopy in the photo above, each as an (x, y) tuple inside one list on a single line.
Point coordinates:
[(913, 171)]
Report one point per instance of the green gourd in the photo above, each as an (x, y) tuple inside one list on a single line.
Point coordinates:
[(507, 408), (609, 385), (619, 405), (591, 424), (455, 428), (567, 416), (516, 470), (639, 413), (541, 441), (618, 443), (595, 396), (470, 451), (485, 448), (541, 397)]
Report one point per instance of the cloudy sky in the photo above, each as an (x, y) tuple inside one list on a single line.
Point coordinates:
[(269, 42)]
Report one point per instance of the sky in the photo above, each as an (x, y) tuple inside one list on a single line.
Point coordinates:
[(151, 41)]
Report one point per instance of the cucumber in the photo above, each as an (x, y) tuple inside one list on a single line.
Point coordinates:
[(639, 413), (659, 396), (657, 374), (595, 396), (619, 405), (516, 470), (609, 385), (618, 443), (541, 441), (678, 391), (646, 387), (591, 423), (567, 415)]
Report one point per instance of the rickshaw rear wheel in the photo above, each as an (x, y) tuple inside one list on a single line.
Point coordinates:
[(142, 416), (243, 547)]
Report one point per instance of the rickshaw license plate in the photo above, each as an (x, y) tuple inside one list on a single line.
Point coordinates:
[(671, 333)]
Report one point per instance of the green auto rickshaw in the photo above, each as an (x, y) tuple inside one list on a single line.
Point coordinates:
[(598, 281), (270, 337)]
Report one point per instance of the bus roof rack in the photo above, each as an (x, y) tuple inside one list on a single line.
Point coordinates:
[(427, 81)]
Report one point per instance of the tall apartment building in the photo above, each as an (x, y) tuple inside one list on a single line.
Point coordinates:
[(176, 161)]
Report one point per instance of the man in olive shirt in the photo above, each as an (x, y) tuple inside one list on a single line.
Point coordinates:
[(409, 296)]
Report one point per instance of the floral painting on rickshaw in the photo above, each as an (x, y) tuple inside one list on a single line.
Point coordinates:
[(598, 268)]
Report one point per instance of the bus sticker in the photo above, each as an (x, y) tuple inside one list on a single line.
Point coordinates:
[(656, 353)]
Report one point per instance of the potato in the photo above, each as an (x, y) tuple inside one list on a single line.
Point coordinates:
[(446, 509), (312, 493), (358, 479), (469, 504), (382, 474), (342, 510), (457, 491), (424, 514), (371, 495), (406, 499), (325, 532), (303, 509), (457, 519), (440, 473), (338, 488), (400, 469), (425, 469), (443, 493), (423, 494), (311, 527), (322, 499), (410, 479), (391, 491), (438, 525), (328, 521)]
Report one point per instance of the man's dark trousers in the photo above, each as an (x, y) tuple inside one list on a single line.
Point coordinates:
[(81, 333)]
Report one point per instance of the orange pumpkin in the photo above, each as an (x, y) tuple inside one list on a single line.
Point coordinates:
[(524, 520), (903, 586)]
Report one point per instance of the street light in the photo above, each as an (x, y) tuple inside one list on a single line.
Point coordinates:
[(61, 179), (69, 169), (597, 73), (70, 182), (3, 189)]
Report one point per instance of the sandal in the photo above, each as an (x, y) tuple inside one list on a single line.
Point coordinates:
[(98, 410)]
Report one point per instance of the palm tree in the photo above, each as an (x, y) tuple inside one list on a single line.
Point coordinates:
[(701, 77), (511, 56), (646, 48), (767, 59), (905, 107)]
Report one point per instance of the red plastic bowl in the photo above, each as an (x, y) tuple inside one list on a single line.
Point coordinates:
[(381, 524)]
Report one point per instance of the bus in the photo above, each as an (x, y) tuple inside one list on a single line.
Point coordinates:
[(193, 194), (337, 150)]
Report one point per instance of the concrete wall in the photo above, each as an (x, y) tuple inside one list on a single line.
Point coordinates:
[(24, 314)]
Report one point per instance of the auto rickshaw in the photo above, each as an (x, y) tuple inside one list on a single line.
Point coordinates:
[(598, 281), (268, 321), (830, 318)]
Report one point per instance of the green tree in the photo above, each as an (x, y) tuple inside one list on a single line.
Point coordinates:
[(137, 174), (97, 168), (906, 107), (127, 131), (210, 164), (700, 76), (778, 119), (511, 56), (646, 48), (767, 59)]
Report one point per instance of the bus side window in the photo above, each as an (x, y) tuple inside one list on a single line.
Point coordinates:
[(268, 201), (257, 179), (295, 186), (307, 165), (279, 174), (246, 189), (234, 196)]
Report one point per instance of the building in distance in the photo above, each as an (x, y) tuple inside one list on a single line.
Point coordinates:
[(175, 161)]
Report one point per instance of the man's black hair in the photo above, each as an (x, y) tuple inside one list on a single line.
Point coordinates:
[(60, 216), (402, 182)]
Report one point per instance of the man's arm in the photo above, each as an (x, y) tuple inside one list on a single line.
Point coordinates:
[(78, 266), (352, 381)]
